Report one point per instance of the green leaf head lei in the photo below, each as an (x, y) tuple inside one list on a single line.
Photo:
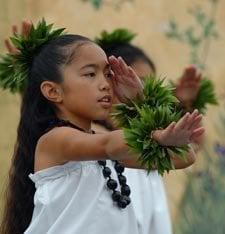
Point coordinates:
[(118, 36), (14, 68)]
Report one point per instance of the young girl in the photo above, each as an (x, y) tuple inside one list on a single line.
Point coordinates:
[(148, 194), (63, 178)]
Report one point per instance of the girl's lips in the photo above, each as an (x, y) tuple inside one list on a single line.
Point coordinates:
[(106, 101), (106, 98), (105, 105)]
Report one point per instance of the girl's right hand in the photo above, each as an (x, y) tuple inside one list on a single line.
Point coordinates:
[(126, 83), (185, 131)]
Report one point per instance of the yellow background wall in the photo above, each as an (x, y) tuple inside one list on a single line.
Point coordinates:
[(146, 18)]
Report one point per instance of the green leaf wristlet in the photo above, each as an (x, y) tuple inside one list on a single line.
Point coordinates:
[(139, 118), (206, 95)]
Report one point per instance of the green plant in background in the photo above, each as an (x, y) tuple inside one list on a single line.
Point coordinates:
[(198, 36), (99, 3), (202, 208), (96, 3)]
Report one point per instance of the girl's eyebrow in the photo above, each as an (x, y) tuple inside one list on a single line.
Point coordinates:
[(89, 65), (92, 65)]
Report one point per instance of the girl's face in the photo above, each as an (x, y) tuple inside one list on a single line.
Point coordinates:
[(142, 68), (86, 88)]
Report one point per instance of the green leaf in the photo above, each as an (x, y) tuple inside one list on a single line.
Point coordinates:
[(156, 110), (14, 68), (118, 36), (206, 95)]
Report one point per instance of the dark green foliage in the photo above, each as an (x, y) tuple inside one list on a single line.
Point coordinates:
[(14, 68), (97, 4), (206, 95), (116, 37), (138, 118), (202, 208), (197, 36)]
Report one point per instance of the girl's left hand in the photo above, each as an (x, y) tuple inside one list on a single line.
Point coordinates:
[(185, 131), (126, 83)]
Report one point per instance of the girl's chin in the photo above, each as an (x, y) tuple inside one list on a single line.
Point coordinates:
[(103, 116)]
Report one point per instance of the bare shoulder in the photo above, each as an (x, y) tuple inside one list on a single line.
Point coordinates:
[(50, 147), (63, 144)]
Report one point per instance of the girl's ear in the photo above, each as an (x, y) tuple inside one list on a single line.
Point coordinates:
[(51, 91)]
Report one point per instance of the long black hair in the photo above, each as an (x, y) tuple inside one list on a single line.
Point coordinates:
[(36, 111)]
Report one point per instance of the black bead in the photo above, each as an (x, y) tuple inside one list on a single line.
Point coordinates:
[(125, 190), (102, 162), (122, 179), (127, 199), (106, 172), (119, 168), (122, 203), (112, 184), (116, 196)]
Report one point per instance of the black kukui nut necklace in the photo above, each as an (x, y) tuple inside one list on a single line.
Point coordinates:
[(122, 198)]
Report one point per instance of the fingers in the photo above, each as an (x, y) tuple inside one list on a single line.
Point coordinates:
[(199, 77), (11, 49), (123, 73), (190, 72), (197, 133), (14, 30), (182, 122), (26, 26), (196, 122), (123, 66), (191, 118), (119, 64), (170, 128), (8, 46), (115, 65), (191, 76), (136, 80)]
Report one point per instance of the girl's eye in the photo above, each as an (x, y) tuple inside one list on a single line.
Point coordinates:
[(90, 75), (109, 74)]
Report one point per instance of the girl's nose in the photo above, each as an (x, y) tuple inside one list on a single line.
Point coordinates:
[(104, 85)]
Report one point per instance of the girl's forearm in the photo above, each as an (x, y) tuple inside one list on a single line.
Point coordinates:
[(133, 162), (116, 147), (181, 163)]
